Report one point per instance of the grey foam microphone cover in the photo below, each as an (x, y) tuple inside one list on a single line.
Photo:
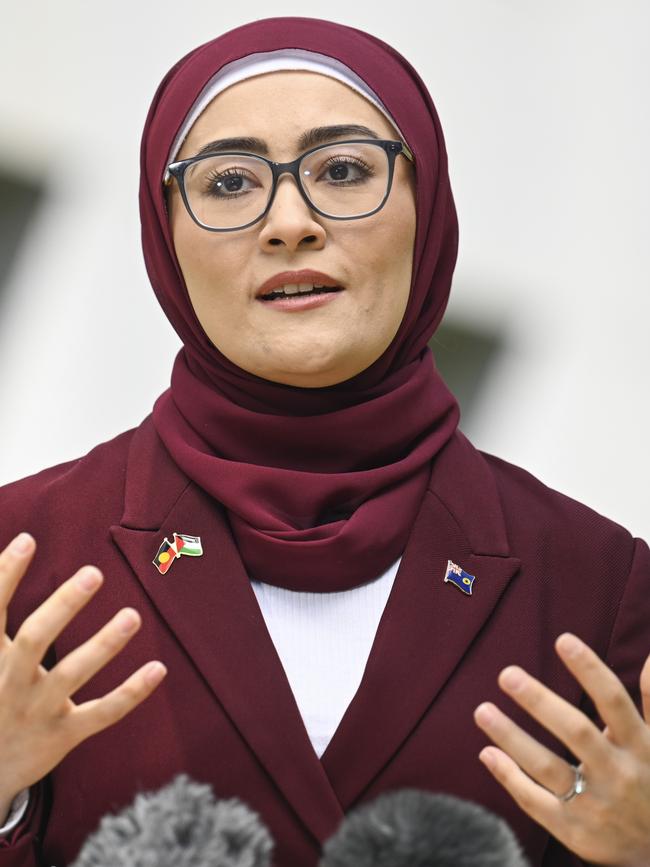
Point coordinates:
[(411, 828), (180, 825)]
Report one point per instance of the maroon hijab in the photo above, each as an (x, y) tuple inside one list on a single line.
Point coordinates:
[(321, 485)]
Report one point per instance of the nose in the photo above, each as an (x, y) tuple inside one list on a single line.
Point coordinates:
[(290, 221)]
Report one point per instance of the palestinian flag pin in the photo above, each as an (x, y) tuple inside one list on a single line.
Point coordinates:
[(183, 545)]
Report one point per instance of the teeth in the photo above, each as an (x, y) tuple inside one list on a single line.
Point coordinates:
[(294, 288), (297, 289)]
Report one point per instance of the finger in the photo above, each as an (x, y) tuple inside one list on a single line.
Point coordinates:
[(42, 627), (561, 718), (533, 799), (612, 700), (540, 763), (14, 560), (645, 690), (98, 714), (76, 669)]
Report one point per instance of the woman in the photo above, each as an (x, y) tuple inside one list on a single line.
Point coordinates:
[(356, 566)]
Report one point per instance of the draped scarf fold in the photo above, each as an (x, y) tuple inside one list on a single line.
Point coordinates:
[(321, 486)]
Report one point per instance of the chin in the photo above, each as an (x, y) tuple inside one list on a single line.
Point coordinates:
[(305, 375), (304, 378)]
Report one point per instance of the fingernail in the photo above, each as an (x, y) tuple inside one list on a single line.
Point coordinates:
[(154, 673), (512, 677), (89, 580), (22, 543), (569, 645), (127, 621)]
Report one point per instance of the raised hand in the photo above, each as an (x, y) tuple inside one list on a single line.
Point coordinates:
[(609, 821), (39, 722)]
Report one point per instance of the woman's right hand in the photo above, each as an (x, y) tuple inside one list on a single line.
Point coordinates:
[(39, 722)]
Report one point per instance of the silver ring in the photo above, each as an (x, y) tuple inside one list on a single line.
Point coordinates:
[(578, 787)]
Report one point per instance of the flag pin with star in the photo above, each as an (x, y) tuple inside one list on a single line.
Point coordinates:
[(459, 578), (182, 546)]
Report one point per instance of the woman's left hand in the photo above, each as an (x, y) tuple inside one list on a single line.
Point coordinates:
[(609, 823)]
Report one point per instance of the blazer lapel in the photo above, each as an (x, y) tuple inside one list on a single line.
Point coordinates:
[(209, 604), (428, 625)]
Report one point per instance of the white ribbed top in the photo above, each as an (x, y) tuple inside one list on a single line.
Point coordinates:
[(323, 641)]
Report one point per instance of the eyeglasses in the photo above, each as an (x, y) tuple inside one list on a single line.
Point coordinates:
[(343, 181)]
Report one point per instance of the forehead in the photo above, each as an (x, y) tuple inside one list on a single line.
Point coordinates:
[(279, 106)]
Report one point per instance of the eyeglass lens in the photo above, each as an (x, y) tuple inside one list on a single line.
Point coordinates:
[(342, 180)]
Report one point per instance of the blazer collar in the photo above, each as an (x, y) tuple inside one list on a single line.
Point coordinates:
[(424, 632)]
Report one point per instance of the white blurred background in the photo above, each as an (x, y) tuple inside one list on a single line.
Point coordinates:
[(547, 119)]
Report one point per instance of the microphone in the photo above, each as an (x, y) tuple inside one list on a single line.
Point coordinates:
[(181, 825), (411, 828)]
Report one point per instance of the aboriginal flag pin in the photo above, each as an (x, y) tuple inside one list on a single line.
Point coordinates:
[(182, 546), (459, 578)]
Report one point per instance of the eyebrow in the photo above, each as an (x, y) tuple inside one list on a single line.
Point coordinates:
[(308, 139)]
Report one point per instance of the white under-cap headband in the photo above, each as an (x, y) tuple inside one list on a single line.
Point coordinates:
[(271, 61)]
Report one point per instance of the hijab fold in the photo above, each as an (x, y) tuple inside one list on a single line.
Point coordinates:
[(321, 485)]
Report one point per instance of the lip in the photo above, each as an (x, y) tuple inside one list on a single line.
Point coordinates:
[(298, 303), (304, 276)]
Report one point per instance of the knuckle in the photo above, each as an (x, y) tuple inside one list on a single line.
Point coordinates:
[(107, 642), (502, 771), (63, 678), (122, 701), (28, 638), (524, 799), (21, 716), (67, 598), (628, 776), (580, 732), (544, 768), (615, 698), (130, 693), (534, 697), (590, 665), (82, 727), (7, 562), (27, 716), (618, 700), (107, 713)]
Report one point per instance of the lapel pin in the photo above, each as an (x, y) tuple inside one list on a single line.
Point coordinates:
[(459, 578), (183, 545)]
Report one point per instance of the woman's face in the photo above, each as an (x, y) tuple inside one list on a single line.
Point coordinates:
[(335, 335)]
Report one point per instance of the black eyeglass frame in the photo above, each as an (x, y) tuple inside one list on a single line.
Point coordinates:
[(392, 148)]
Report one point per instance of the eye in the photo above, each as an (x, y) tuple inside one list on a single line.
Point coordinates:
[(229, 183), (345, 170)]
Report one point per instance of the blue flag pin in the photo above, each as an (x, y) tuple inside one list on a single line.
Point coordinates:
[(459, 578)]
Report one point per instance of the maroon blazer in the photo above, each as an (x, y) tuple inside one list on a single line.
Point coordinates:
[(225, 713)]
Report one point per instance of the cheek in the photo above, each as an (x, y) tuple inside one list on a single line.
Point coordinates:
[(212, 268), (388, 265)]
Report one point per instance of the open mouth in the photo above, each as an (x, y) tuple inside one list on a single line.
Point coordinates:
[(298, 290)]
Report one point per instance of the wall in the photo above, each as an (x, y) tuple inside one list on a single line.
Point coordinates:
[(547, 122)]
